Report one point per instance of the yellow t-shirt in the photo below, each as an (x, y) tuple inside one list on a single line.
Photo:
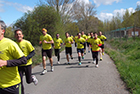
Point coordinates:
[(80, 46), (67, 40), (88, 37), (26, 48), (94, 43), (57, 43), (102, 37), (46, 46), (75, 38), (84, 36), (9, 50)]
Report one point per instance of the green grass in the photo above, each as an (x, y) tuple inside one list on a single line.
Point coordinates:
[(126, 55)]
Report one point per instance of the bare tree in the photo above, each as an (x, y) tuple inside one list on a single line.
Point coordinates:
[(63, 7), (84, 13)]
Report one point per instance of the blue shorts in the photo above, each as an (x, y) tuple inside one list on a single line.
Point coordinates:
[(80, 50)]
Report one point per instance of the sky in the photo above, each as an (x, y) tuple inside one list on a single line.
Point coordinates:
[(12, 10)]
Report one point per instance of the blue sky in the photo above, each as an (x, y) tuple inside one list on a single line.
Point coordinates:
[(11, 10)]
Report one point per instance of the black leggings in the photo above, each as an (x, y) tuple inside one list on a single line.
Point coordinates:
[(57, 53), (27, 70), (95, 56)]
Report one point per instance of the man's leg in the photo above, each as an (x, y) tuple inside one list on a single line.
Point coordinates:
[(44, 62), (101, 54), (70, 51), (21, 71)]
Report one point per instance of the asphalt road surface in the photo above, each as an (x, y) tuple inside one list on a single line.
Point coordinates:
[(75, 79)]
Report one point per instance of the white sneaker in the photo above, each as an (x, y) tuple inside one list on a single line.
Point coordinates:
[(94, 62), (43, 72), (35, 81), (52, 68), (58, 62), (96, 66)]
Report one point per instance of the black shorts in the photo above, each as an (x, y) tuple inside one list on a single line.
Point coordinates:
[(88, 44), (68, 50), (80, 50), (102, 46), (57, 51), (95, 54), (47, 52), (10, 90)]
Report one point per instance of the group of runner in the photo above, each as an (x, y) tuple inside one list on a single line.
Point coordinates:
[(94, 42), (16, 57)]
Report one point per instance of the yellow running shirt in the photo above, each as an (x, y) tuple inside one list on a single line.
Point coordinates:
[(46, 46), (67, 40), (79, 45), (102, 37), (57, 43), (9, 50), (94, 43), (26, 48), (84, 36), (75, 38)]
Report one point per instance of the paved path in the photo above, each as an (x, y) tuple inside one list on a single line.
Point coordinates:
[(75, 79)]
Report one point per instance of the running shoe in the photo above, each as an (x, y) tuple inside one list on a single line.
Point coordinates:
[(71, 57), (94, 61), (96, 66), (101, 59), (79, 63), (58, 62), (43, 72), (84, 52), (52, 68), (35, 81), (68, 63), (82, 57), (88, 51), (103, 53)]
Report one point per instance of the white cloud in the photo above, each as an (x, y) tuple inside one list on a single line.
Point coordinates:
[(19, 7), (138, 2), (108, 16), (105, 2)]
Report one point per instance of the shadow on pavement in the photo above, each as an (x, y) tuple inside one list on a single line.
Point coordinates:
[(80, 66)]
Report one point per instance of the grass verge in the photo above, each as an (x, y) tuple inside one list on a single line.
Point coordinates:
[(126, 56)]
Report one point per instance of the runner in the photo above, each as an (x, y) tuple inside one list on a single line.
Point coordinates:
[(46, 41), (88, 37), (11, 57), (68, 47), (95, 45), (102, 38), (28, 51), (80, 47), (57, 46), (85, 37)]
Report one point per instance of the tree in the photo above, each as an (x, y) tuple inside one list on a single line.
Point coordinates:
[(41, 17), (83, 14), (9, 32), (63, 7), (72, 28), (127, 22)]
